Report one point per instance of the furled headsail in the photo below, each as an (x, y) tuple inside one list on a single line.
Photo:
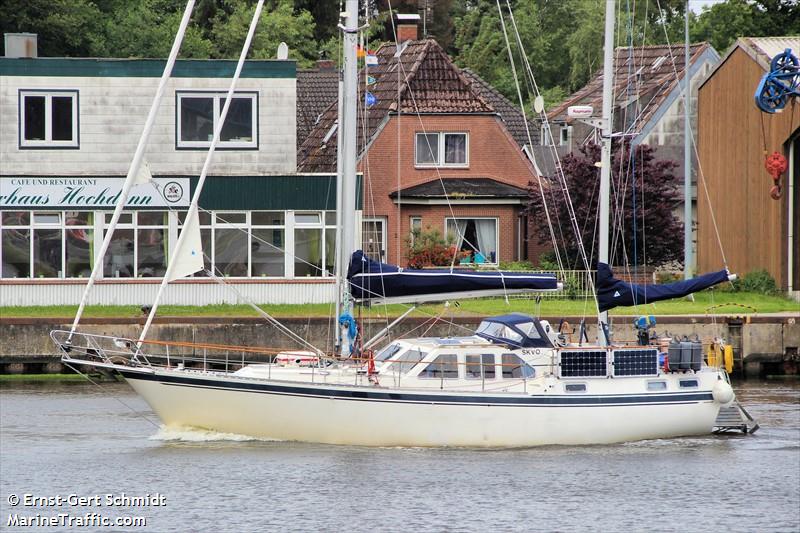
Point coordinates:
[(372, 280), (612, 292)]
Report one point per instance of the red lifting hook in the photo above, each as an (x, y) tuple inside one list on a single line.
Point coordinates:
[(776, 165)]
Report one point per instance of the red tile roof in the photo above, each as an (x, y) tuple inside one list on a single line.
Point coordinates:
[(421, 80), (316, 89)]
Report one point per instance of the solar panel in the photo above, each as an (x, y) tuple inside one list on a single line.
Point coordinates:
[(635, 362), (583, 364)]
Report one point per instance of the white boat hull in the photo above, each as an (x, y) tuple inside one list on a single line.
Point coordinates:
[(347, 415)]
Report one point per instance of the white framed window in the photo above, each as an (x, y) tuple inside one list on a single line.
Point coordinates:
[(314, 243), (415, 223), (46, 244), (442, 149), (478, 236), (373, 237), (48, 119), (139, 246), (197, 114), (268, 243), (230, 244)]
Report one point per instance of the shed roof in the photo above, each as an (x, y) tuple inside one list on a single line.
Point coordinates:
[(421, 79), (760, 49)]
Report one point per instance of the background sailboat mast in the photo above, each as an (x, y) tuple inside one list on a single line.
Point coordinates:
[(347, 135), (133, 171), (687, 158), (605, 160)]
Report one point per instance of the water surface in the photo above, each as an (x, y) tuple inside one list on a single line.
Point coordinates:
[(77, 438)]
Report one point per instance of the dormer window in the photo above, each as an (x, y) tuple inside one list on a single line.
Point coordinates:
[(440, 149)]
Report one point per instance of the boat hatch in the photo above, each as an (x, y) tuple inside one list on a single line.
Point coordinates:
[(514, 329)]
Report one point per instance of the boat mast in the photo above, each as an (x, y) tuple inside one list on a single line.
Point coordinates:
[(605, 160), (136, 163), (347, 138)]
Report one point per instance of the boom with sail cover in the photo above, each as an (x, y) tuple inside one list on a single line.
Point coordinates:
[(370, 280), (612, 292)]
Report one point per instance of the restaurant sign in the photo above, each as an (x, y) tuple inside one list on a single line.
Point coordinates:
[(90, 192)]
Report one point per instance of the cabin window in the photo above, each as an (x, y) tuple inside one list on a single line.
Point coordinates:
[(476, 236), (656, 385), (48, 119), (199, 113), (514, 367), (444, 366), (688, 383), (575, 387), (480, 366), (407, 361), (442, 149)]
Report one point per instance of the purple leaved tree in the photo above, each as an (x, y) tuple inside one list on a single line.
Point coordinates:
[(644, 195)]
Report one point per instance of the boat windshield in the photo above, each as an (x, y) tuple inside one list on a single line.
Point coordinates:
[(388, 352), (498, 330), (406, 361)]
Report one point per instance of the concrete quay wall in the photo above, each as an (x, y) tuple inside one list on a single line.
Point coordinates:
[(762, 344)]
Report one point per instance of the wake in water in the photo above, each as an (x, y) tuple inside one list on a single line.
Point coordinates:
[(192, 434)]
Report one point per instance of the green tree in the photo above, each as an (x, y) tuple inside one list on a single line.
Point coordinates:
[(723, 23), (279, 24), (65, 28), (147, 29)]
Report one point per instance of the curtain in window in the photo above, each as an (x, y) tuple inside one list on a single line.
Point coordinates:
[(487, 238), (457, 229), (455, 149)]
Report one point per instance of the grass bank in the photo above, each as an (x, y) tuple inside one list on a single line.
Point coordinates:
[(709, 302)]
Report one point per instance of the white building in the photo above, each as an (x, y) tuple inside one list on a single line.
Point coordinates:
[(68, 131)]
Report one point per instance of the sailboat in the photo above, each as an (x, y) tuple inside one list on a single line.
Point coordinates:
[(515, 381)]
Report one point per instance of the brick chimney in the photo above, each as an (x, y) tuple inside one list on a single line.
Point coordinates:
[(326, 64), (407, 27), (406, 32)]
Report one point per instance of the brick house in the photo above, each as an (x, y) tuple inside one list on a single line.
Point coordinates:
[(438, 149)]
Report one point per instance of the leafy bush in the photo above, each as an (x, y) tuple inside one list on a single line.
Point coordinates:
[(516, 265), (431, 248), (758, 281)]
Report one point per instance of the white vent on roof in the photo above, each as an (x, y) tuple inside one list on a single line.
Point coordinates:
[(330, 133), (657, 63)]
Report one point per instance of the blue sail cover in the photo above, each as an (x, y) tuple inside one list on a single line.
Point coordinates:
[(371, 279), (612, 292)]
